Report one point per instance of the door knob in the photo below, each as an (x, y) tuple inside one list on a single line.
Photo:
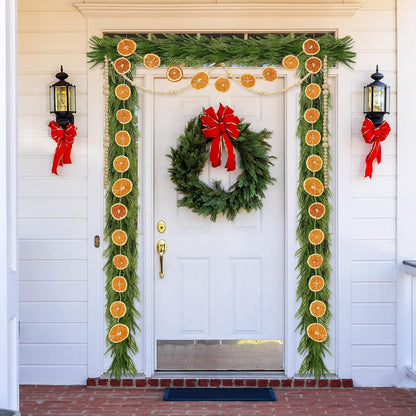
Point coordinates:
[(162, 247)]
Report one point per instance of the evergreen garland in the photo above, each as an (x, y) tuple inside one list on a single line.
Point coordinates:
[(205, 50), (188, 161)]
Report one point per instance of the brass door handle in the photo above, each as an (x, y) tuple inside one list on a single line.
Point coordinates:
[(162, 247)]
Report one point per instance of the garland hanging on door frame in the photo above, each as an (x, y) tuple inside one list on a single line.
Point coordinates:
[(186, 50)]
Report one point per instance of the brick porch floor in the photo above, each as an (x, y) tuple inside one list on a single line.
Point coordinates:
[(80, 400)]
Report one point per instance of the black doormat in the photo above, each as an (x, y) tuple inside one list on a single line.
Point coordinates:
[(228, 394)]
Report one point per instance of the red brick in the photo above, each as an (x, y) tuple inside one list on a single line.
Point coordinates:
[(299, 382), (153, 382), (115, 383), (165, 382), (287, 382), (239, 382), (323, 383), (141, 382), (127, 382), (335, 384), (215, 382), (227, 382), (263, 383), (103, 382), (252, 382), (91, 382), (190, 382), (178, 382), (310, 382), (347, 383), (274, 383), (203, 382)]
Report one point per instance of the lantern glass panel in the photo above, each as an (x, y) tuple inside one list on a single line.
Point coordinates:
[(387, 110), (367, 99), (61, 98), (71, 100), (52, 99), (379, 103)]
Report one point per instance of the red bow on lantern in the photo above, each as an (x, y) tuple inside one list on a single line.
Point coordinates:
[(219, 126), (64, 140), (374, 135)]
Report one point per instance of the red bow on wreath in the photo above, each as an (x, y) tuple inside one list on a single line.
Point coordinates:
[(374, 135), (219, 126), (64, 140)]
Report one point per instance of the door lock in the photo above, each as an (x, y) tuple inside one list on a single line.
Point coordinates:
[(162, 247), (161, 226)]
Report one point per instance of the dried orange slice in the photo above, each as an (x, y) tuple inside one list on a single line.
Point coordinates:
[(313, 186), (120, 261), (317, 210), (311, 47), (121, 164), (315, 261), (317, 332), (222, 84), (118, 211), (316, 283), (150, 61), (122, 65), (119, 284), (122, 92), (312, 137), (124, 116), (313, 91), (118, 309), (174, 73), (248, 80), (122, 187), (126, 47), (313, 65), (200, 80), (311, 115), (314, 163), (122, 138), (119, 237), (317, 308), (269, 73), (290, 62), (316, 236), (118, 333)]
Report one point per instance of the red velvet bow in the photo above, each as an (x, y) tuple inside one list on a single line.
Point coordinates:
[(64, 140), (374, 135), (219, 126)]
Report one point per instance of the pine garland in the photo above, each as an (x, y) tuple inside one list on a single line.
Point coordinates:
[(205, 50), (188, 161)]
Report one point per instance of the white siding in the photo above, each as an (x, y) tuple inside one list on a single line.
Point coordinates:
[(52, 213)]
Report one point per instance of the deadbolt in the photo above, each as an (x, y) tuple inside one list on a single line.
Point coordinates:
[(161, 226)]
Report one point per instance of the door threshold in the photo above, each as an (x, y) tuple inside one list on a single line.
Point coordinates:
[(221, 374)]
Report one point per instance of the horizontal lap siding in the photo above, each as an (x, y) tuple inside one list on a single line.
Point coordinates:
[(52, 212), (373, 204)]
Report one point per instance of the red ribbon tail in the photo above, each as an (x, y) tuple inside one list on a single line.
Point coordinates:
[(57, 159), (230, 165), (67, 155), (215, 152), (375, 152)]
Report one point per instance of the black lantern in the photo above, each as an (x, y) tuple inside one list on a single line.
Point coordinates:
[(376, 99), (62, 100)]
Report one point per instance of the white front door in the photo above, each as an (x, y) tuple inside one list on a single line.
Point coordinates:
[(223, 280)]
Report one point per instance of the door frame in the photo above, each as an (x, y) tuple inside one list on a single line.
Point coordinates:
[(235, 17)]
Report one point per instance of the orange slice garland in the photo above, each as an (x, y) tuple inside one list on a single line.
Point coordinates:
[(174, 73), (248, 80), (124, 116), (119, 284), (118, 333), (311, 115), (317, 332), (150, 61), (269, 74), (316, 236), (315, 261), (317, 210), (313, 65), (118, 309), (122, 138), (126, 47), (312, 137), (122, 65), (317, 308), (118, 211), (200, 80), (314, 163), (122, 187), (316, 283), (313, 91), (290, 62), (311, 47), (119, 237), (120, 261), (222, 84), (121, 164), (313, 186), (122, 92)]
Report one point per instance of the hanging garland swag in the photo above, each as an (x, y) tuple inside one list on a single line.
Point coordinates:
[(291, 52)]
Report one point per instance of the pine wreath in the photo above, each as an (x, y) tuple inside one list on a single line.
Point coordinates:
[(247, 193)]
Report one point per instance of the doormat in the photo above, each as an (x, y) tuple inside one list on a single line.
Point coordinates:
[(243, 394)]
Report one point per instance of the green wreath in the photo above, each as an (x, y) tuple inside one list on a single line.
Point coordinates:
[(188, 161)]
